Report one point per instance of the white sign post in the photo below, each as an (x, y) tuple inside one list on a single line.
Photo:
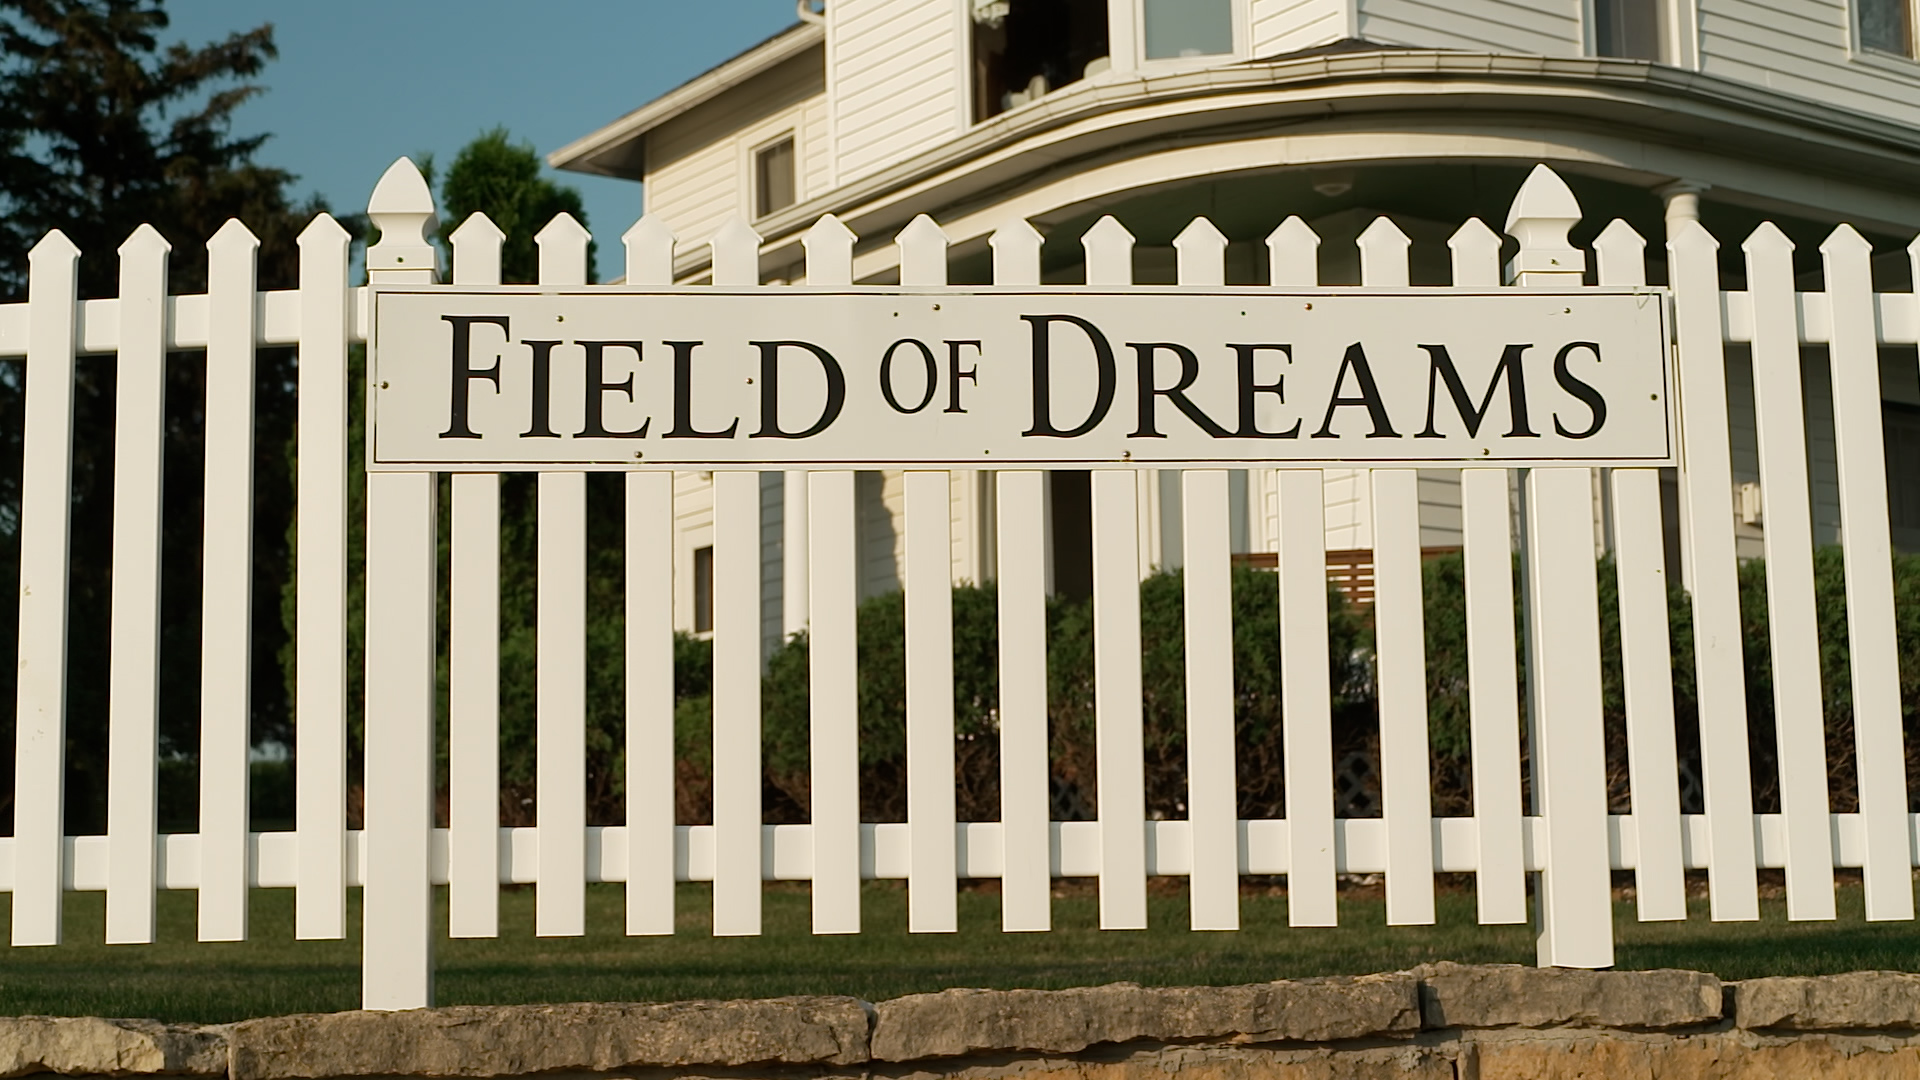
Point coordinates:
[(525, 378)]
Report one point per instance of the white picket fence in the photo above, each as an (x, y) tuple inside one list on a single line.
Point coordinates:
[(1569, 839)]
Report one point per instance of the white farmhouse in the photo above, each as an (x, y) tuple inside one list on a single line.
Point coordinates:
[(984, 112)]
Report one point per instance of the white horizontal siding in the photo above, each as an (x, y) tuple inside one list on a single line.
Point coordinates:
[(1539, 27), (1803, 47), (697, 172), (895, 88), (1284, 26)]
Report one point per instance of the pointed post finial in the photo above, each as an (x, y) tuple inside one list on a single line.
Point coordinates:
[(1543, 213), (402, 209)]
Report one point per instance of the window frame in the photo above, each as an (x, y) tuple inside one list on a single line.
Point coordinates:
[(1127, 35), (789, 136), (1859, 50)]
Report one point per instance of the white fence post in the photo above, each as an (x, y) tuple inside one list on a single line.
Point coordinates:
[(402, 624), (1574, 907)]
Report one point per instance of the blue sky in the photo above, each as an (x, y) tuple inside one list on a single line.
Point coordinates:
[(360, 83)]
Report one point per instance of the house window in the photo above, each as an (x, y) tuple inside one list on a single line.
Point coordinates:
[(1025, 49), (1887, 26), (773, 178), (1629, 29), (1178, 28), (703, 590)]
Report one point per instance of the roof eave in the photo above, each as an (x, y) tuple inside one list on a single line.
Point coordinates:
[(605, 151)]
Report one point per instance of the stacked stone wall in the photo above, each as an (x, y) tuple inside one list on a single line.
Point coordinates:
[(1438, 1022)]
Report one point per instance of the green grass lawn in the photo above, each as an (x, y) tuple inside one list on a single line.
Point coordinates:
[(180, 979)]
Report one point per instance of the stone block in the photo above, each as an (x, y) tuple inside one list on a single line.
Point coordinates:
[(486, 1041), (1862, 1000), (956, 1022), (1508, 995), (91, 1047)]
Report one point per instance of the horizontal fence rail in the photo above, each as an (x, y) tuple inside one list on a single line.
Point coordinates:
[(1551, 520)]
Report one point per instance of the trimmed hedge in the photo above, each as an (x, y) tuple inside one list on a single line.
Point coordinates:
[(1257, 721)]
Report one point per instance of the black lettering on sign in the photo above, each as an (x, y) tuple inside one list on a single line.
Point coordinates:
[(540, 419), (770, 389), (683, 396), (1369, 397), (1509, 368), (1043, 372), (1579, 389), (954, 374), (886, 375), (464, 372), (1249, 388), (1177, 393), (598, 387)]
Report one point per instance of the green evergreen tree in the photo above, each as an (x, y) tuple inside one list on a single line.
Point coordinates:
[(102, 129)]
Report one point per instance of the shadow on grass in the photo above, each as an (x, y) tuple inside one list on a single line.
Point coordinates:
[(179, 979)]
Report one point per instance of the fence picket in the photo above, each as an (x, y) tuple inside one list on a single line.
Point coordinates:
[(227, 592), (1719, 673), (41, 702), (473, 656), (139, 446), (932, 873), (560, 909), (320, 704), (1493, 679), (1799, 713), (649, 245), (1493, 686), (1118, 733), (834, 689), (833, 595), (932, 877), (1879, 754), (1645, 647), (1212, 788), (1206, 546), (1306, 696), (1401, 654), (1026, 835), (1400, 644), (736, 651)]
